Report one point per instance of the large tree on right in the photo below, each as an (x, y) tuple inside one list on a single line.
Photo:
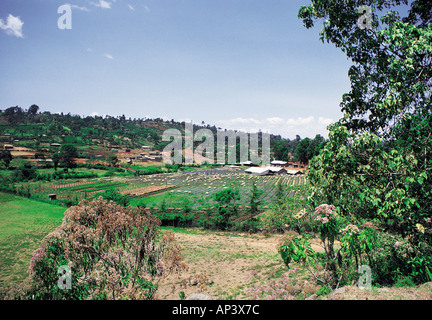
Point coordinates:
[(378, 162)]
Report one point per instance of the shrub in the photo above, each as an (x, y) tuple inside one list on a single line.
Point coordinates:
[(113, 253), (111, 194)]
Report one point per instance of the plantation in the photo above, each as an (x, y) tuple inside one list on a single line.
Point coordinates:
[(200, 187)]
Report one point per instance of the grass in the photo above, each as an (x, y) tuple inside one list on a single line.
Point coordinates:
[(23, 225)]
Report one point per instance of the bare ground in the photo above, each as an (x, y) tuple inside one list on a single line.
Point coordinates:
[(224, 265)]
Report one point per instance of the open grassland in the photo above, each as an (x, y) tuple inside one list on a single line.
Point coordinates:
[(23, 224)]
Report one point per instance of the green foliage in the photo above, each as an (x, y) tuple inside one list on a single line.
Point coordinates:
[(111, 194), (25, 172), (68, 153), (378, 161), (255, 200), (297, 249), (226, 206), (5, 158)]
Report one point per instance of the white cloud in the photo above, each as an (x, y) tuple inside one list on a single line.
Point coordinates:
[(13, 26), (287, 128), (108, 56), (103, 4), (74, 6)]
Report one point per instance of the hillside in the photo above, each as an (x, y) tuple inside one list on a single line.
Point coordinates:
[(41, 134)]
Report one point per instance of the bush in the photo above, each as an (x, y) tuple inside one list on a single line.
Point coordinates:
[(111, 194), (112, 252)]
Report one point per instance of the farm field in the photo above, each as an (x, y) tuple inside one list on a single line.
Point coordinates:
[(196, 187), (200, 186), (23, 224)]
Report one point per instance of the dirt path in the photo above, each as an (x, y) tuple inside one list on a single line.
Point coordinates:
[(219, 263), (224, 265)]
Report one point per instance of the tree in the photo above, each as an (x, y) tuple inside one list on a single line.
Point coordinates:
[(378, 161), (5, 157), (25, 172), (226, 206), (113, 160), (33, 109), (255, 200), (68, 153), (56, 160), (301, 152)]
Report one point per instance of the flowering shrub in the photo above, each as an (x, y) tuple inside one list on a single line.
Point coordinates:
[(113, 253), (339, 266), (328, 227)]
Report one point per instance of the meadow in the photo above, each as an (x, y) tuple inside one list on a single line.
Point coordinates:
[(23, 225)]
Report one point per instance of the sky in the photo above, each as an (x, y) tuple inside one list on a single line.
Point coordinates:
[(237, 64)]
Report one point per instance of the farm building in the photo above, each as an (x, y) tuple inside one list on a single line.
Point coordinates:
[(247, 163), (277, 170), (8, 147), (278, 163), (258, 171), (294, 172)]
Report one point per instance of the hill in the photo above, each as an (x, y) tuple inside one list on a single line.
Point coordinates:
[(97, 137)]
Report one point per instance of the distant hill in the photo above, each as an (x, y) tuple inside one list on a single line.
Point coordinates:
[(96, 136)]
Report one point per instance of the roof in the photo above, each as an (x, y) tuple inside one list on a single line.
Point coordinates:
[(294, 172), (276, 169), (278, 162), (258, 171)]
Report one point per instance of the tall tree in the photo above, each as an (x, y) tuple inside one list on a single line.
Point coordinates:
[(378, 161), (33, 109)]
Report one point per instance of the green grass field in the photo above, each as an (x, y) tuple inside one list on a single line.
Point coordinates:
[(23, 225)]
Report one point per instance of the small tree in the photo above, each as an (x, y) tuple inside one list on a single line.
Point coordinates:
[(56, 160), (226, 206), (255, 200), (6, 157)]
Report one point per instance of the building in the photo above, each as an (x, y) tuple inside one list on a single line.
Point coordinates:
[(294, 172), (259, 171), (247, 163), (278, 163), (277, 170)]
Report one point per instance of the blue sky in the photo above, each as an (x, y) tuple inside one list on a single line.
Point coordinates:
[(238, 64)]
